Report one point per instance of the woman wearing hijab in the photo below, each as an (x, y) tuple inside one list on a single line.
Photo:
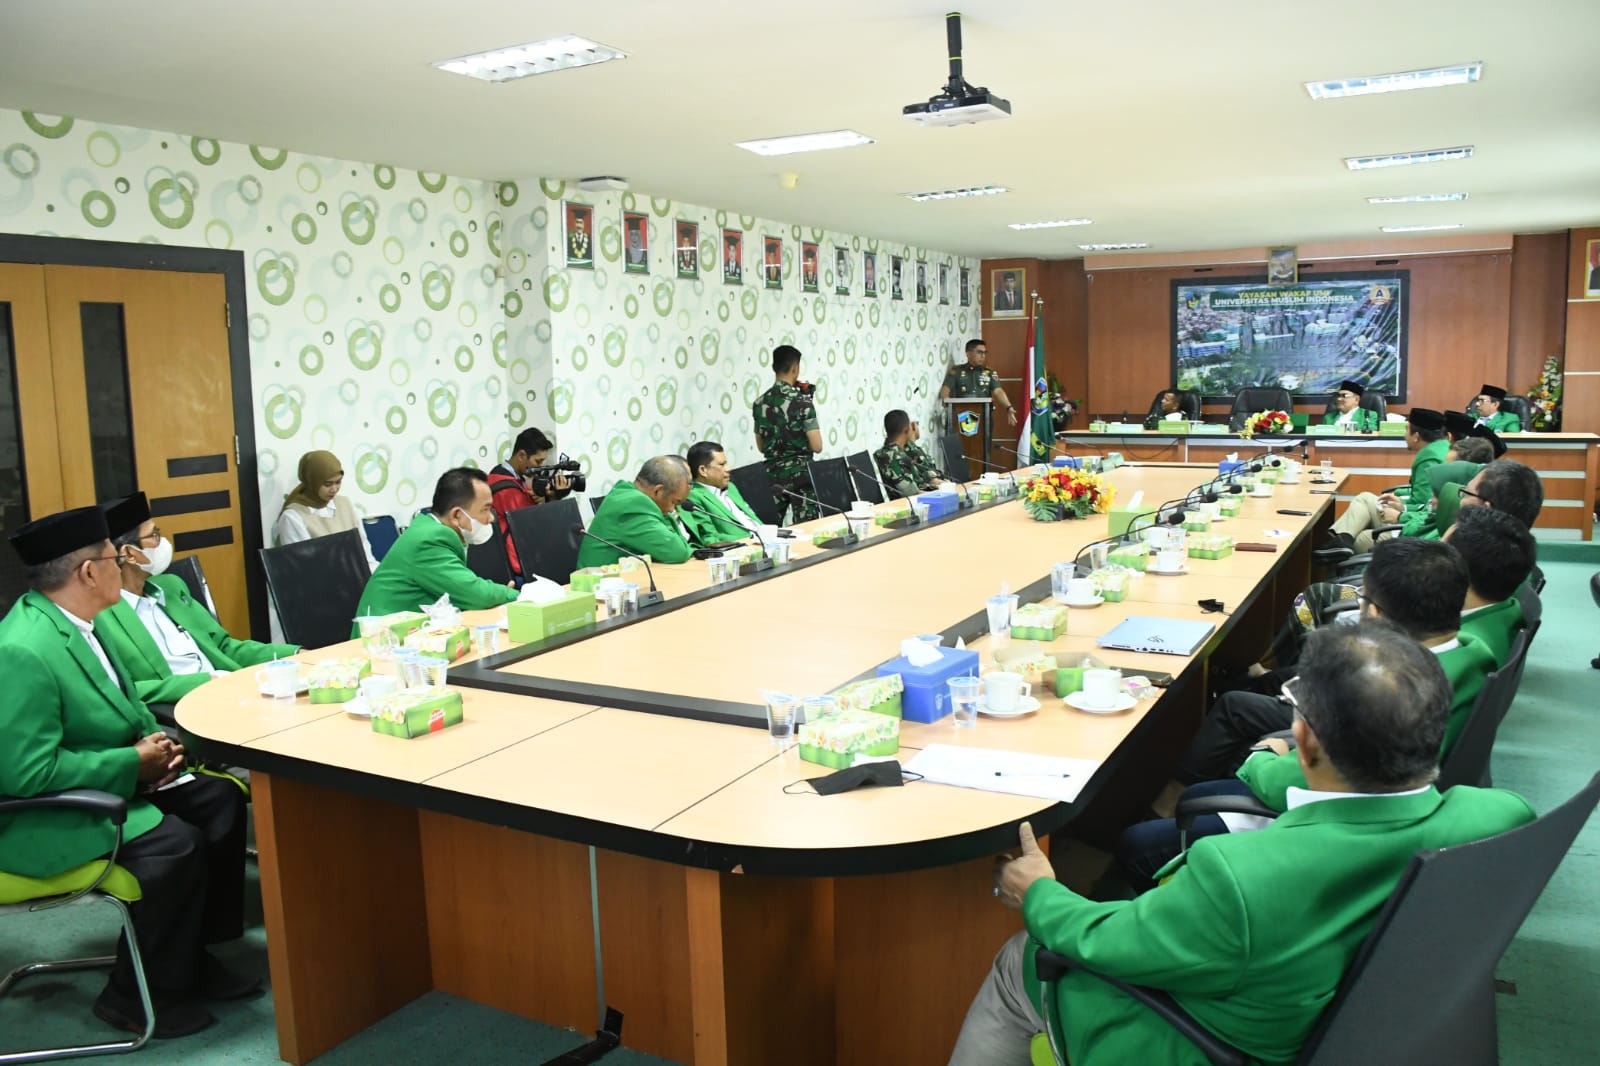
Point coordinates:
[(315, 508)]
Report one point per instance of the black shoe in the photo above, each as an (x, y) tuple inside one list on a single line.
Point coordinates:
[(219, 983), (174, 1018)]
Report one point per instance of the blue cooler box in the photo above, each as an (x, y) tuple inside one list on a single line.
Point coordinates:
[(940, 503), (927, 697)]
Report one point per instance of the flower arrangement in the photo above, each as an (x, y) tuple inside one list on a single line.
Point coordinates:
[(1066, 493), (1265, 423), (1544, 399)]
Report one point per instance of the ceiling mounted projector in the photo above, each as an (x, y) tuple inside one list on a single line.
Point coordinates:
[(959, 103)]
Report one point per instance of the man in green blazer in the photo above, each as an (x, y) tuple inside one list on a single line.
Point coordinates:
[(1425, 436), (1499, 553), (430, 558), (72, 722), (169, 644), (1348, 410), (1509, 486), (640, 515), (718, 511), (1487, 407), (1226, 932)]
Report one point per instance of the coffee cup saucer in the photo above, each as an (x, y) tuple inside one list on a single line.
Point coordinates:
[(1123, 702), (1092, 601), (1025, 705), (1167, 573), (358, 707)]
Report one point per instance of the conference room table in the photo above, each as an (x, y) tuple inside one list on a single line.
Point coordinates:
[(612, 824)]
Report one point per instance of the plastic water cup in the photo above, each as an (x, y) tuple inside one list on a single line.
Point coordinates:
[(717, 567), (778, 551), (485, 639), (781, 712), (630, 598), (813, 707), (1000, 608), (280, 680), (860, 526), (966, 693), (405, 667), (1061, 576), (921, 510), (431, 671)]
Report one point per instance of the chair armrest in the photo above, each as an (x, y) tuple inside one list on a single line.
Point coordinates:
[(1052, 967), (164, 713), (1190, 809), (83, 799)]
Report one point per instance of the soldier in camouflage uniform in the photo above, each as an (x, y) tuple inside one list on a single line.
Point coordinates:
[(787, 433), (975, 380), (905, 468)]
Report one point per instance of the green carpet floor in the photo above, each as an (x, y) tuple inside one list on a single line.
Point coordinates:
[(1547, 749)]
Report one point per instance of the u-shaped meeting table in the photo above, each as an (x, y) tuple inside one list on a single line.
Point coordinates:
[(605, 827)]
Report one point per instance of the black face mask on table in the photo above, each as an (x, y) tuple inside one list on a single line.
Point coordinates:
[(853, 777)]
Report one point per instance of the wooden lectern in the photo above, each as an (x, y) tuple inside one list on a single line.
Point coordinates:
[(978, 445)]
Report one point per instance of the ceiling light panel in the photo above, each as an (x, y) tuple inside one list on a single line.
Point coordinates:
[(1420, 229), (1434, 78), (526, 60), (1055, 224), (956, 194), (1420, 198), (1405, 159), (805, 142), (1128, 246)]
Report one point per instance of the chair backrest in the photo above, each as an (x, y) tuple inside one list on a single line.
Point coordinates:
[(1249, 401), (956, 466), (830, 484), (867, 488), (382, 531), (194, 578), (1468, 761), (545, 540), (489, 559), (1421, 988), (316, 586), (1370, 401), (1532, 609), (756, 488), (1517, 405), (596, 501)]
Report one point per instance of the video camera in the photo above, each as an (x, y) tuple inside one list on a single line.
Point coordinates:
[(539, 478)]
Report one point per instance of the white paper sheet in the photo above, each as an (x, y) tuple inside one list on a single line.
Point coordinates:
[(1019, 773)]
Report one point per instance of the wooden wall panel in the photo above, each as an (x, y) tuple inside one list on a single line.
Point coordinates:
[(1066, 349), (1538, 305)]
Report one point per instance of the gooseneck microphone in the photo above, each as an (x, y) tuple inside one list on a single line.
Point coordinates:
[(646, 599), (863, 473), (753, 565), (843, 540)]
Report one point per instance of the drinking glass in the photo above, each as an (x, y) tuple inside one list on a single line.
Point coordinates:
[(966, 693)]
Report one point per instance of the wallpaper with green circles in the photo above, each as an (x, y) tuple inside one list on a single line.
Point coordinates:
[(408, 321)]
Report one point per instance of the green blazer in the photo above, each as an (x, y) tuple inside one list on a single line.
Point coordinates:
[(427, 561), (66, 726), (1366, 420), (704, 530), (630, 518), (128, 641), (1417, 518), (1253, 931), (1503, 422), (1270, 776), (1446, 479), (1494, 626)]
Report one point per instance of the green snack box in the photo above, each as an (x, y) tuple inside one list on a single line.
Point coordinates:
[(401, 622), (528, 622), (1269, 475), (1098, 427), (1135, 557), (875, 695), (1211, 546), (446, 642), (836, 739), (985, 493), (589, 577), (412, 712), (1231, 505), (1069, 679), (1039, 621), (883, 518), (1194, 522), (337, 680)]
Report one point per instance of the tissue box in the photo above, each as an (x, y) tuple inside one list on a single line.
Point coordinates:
[(836, 739), (589, 577), (1175, 425), (337, 680), (940, 503), (1211, 546), (401, 623), (1111, 584), (414, 711), (875, 695), (448, 642), (527, 622), (1036, 666), (1038, 621), (1122, 519), (927, 697), (1195, 522), (1134, 557)]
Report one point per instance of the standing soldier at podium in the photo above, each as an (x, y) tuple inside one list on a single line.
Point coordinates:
[(787, 434), (974, 380)]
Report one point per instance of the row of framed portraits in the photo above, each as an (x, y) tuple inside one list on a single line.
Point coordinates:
[(948, 285)]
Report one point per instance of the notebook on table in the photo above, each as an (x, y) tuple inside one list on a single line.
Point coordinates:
[(1167, 636)]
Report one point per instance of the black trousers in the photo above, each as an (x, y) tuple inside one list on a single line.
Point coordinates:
[(191, 871), (1237, 720)]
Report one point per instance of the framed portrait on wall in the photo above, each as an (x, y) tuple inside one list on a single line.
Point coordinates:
[(922, 281), (944, 283), (1008, 286), (732, 257), (966, 287), (1283, 266), (896, 269), (687, 249), (869, 275), (1591, 270), (808, 266), (772, 262), (635, 243), (579, 235), (841, 270)]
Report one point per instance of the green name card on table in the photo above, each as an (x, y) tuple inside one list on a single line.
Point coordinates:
[(1323, 431), (1209, 429), (1391, 429), (1299, 419), (1177, 425), (1124, 427)]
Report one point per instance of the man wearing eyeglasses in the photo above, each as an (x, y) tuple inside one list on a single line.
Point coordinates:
[(1487, 406), (169, 644), (1348, 414)]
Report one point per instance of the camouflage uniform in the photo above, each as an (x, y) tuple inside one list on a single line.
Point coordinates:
[(966, 380), (783, 415), (906, 468)]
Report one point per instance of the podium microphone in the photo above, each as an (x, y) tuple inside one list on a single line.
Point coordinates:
[(753, 566), (646, 599), (843, 540)]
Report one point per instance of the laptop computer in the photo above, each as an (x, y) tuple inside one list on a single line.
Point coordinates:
[(1168, 636)]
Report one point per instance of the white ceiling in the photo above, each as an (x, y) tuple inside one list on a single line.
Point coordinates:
[(1183, 124)]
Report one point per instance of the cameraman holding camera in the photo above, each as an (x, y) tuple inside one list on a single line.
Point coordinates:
[(526, 479)]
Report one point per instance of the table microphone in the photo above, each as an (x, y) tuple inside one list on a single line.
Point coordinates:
[(646, 599), (1009, 474), (863, 473), (843, 540), (751, 566)]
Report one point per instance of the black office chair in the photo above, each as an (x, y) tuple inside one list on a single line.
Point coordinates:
[(867, 488), (756, 488), (489, 559), (546, 539), (194, 578), (1188, 404), (831, 485), (596, 501), (382, 532), (956, 465), (316, 586), (1249, 401), (1468, 761), (1417, 989)]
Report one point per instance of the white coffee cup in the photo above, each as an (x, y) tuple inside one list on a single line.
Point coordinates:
[(279, 679), (860, 509), (1263, 488), (1101, 688), (1211, 510), (989, 476), (1169, 560), (1080, 590), (1002, 689), (377, 686)]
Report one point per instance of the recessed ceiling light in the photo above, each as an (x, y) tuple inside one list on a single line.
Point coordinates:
[(805, 142), (1419, 229), (1128, 246), (1421, 198), (526, 60), (1435, 78), (956, 194), (1402, 159), (1052, 225)]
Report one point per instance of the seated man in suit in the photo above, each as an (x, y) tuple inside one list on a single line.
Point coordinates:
[(1499, 553), (72, 721), (430, 558), (1250, 933), (641, 516), (1348, 410), (905, 467), (169, 644), (715, 510), (1509, 486), (1487, 408), (1425, 436)]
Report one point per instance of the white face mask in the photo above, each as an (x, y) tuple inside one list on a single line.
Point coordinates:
[(160, 558), (480, 532)]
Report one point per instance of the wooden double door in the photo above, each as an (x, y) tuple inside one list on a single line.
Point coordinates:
[(114, 381)]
